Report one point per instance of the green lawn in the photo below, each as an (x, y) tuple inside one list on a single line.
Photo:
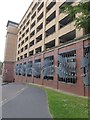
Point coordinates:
[(66, 106)]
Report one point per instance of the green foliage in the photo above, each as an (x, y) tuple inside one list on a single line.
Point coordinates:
[(83, 20), (66, 106)]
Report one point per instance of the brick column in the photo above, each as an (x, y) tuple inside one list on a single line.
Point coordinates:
[(55, 65), (42, 59), (8, 71), (79, 56)]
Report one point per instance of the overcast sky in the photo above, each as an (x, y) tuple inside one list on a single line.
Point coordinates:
[(10, 10)]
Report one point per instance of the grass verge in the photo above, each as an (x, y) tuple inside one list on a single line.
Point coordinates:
[(66, 106)]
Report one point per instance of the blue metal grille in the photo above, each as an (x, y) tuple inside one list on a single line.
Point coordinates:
[(36, 69), (48, 68), (23, 69), (66, 69), (29, 69), (17, 69), (85, 65)]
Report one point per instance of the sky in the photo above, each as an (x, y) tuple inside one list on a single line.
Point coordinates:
[(10, 10)]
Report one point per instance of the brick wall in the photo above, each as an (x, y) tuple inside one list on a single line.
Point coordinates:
[(77, 88), (8, 72)]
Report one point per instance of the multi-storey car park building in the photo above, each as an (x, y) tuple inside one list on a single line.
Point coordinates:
[(51, 51)]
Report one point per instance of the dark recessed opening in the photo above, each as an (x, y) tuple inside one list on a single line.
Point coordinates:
[(31, 53), (51, 17), (50, 44), (39, 38), (50, 31), (38, 50), (67, 37), (65, 21), (50, 5)]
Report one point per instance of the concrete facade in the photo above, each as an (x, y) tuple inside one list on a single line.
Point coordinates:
[(38, 20), (10, 51)]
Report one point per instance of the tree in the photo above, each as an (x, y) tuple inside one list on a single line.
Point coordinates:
[(83, 20)]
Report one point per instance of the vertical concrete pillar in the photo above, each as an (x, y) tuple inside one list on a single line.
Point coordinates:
[(44, 27), (57, 25)]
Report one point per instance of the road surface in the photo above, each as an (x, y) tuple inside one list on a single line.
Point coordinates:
[(24, 101)]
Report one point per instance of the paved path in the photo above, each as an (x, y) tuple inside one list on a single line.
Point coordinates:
[(28, 102), (10, 90)]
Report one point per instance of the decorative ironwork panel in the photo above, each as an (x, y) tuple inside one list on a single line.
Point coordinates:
[(36, 69), (16, 69), (86, 79), (84, 62), (29, 69), (66, 69), (85, 65), (19, 69), (23, 69), (48, 68)]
